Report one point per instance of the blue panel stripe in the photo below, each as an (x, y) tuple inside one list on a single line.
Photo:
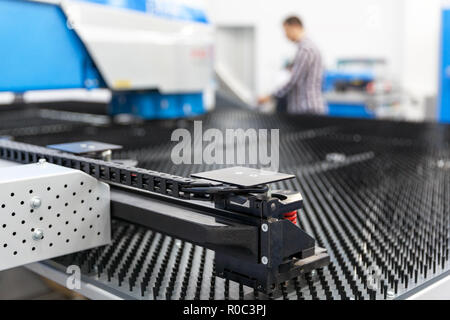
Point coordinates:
[(39, 51), (350, 111), (164, 9), (444, 89)]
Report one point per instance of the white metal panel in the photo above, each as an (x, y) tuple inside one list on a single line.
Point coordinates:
[(235, 60), (94, 95), (73, 215), (88, 290), (440, 290), (5, 163), (134, 50), (6, 98)]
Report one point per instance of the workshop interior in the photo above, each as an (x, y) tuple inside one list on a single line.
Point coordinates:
[(100, 200)]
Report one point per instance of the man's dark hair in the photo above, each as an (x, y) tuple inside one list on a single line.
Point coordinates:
[(293, 21)]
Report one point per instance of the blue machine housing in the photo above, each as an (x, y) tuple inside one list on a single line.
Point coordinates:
[(41, 52), (444, 87), (350, 110), (347, 109), (331, 77), (153, 105), (163, 9)]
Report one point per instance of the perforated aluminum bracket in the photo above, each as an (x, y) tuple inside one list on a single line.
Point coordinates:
[(48, 211)]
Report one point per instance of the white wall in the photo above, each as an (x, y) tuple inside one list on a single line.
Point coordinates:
[(234, 60), (421, 49), (405, 32)]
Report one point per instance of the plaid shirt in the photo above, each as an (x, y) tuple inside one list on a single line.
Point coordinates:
[(304, 89)]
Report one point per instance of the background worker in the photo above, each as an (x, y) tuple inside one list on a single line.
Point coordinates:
[(303, 91)]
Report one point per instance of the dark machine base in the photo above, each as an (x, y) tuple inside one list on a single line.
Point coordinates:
[(266, 279)]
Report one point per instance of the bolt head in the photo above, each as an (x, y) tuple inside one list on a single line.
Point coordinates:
[(38, 234), (273, 206), (264, 260), (264, 227), (35, 202), (42, 161)]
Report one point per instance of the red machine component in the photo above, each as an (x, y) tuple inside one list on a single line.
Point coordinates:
[(291, 216)]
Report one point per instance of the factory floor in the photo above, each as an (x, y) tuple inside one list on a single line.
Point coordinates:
[(22, 284)]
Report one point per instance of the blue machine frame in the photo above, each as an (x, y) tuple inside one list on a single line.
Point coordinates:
[(41, 52), (35, 37), (160, 8), (347, 109), (444, 87)]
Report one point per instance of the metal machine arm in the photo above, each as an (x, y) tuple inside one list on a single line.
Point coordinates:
[(255, 244)]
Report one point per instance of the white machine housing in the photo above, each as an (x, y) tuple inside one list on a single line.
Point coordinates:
[(136, 51), (47, 211)]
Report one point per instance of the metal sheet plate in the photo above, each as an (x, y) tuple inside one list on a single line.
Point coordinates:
[(244, 177), (84, 147)]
